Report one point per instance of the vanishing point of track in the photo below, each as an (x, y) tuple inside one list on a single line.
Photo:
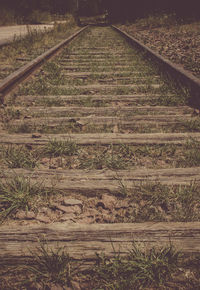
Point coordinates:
[(109, 105)]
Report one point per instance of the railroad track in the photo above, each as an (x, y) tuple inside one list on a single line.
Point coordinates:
[(112, 147)]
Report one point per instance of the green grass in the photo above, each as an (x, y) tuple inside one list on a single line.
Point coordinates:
[(192, 125), (117, 157), (89, 102), (60, 148), (18, 192), (51, 267), (52, 73), (18, 157), (49, 102), (100, 160), (140, 269), (35, 43), (191, 155), (157, 202), (21, 128), (9, 114)]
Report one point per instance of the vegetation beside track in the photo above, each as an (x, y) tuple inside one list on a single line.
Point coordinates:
[(26, 48), (177, 40)]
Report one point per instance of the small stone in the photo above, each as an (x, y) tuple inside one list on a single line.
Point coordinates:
[(82, 123), (21, 215), (43, 218), (142, 203), (44, 160), (72, 202), (53, 167), (69, 209), (75, 285), (55, 287), (86, 220), (90, 213), (72, 120), (108, 218), (67, 217), (116, 129), (45, 211), (122, 204), (36, 135), (37, 286), (30, 215), (108, 201)]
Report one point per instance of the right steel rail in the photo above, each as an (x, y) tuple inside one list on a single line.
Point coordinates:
[(181, 76)]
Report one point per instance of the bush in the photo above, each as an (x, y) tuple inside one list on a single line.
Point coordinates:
[(38, 17), (7, 17)]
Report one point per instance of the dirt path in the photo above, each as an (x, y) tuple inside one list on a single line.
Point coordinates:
[(8, 33)]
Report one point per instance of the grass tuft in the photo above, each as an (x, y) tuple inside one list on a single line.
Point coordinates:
[(18, 157), (100, 160), (51, 266), (191, 154), (17, 193), (153, 201), (140, 269), (59, 148)]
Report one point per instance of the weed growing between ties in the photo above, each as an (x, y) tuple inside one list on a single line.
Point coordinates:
[(18, 157), (119, 157), (191, 155), (52, 73), (51, 267), (66, 127), (141, 268), (60, 148), (21, 128), (49, 102), (179, 95), (9, 114), (192, 125), (103, 159), (18, 192), (158, 202)]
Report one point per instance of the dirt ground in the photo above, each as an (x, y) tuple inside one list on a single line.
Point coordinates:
[(179, 42)]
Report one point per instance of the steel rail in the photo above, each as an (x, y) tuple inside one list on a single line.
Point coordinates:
[(14, 78), (180, 75)]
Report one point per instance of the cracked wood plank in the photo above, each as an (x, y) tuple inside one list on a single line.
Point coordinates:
[(101, 138), (82, 241)]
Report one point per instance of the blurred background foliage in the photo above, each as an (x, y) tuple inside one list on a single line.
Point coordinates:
[(40, 11)]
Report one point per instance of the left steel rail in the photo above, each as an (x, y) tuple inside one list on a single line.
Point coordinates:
[(14, 78)]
